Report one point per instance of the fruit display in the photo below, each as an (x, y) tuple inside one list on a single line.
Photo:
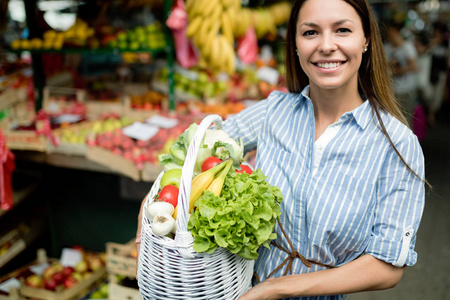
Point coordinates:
[(57, 277), (148, 37), (215, 24), (86, 132), (150, 100), (82, 35), (211, 29)]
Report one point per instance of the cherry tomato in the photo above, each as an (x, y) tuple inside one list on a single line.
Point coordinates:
[(210, 162), (246, 169), (169, 194)]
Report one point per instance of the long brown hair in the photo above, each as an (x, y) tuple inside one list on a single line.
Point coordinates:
[(374, 80)]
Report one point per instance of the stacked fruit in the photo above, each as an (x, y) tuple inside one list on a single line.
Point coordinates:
[(211, 29), (214, 25), (57, 276), (80, 34), (149, 36)]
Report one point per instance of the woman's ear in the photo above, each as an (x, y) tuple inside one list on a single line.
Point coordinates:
[(366, 44)]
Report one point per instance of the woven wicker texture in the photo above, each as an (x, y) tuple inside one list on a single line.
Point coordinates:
[(170, 268)]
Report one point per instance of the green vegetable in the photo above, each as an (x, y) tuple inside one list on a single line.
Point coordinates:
[(215, 143), (241, 219)]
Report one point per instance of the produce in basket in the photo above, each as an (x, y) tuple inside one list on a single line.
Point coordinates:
[(241, 218), (231, 205), (215, 143)]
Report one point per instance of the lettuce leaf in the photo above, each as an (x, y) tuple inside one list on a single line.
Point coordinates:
[(242, 219)]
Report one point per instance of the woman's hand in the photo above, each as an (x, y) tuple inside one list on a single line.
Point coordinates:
[(261, 291)]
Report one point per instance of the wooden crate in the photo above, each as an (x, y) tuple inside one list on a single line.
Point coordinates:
[(97, 108), (119, 259), (150, 172), (13, 243), (51, 102), (77, 290), (12, 97), (119, 292), (25, 140), (114, 162)]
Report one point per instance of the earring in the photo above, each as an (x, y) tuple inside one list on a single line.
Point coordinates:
[(296, 51), (365, 49)]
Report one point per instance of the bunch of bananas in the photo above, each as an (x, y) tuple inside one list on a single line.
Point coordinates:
[(214, 25), (211, 28)]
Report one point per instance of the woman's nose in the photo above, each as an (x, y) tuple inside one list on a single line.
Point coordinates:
[(327, 44)]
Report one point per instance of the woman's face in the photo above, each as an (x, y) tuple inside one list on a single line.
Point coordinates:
[(330, 41)]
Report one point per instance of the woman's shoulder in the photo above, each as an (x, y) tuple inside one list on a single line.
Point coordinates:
[(400, 134), (277, 98)]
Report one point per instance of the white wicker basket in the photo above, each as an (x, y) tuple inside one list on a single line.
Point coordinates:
[(170, 268)]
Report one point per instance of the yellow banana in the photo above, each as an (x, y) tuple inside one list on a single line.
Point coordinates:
[(202, 33), (194, 26), (207, 46), (216, 12), (217, 184), (227, 26), (189, 4), (216, 56), (197, 7), (209, 7), (228, 63), (201, 182)]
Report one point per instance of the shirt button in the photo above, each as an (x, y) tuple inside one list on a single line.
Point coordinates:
[(320, 147)]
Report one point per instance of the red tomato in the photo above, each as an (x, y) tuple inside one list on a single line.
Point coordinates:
[(210, 162), (246, 169), (169, 194)]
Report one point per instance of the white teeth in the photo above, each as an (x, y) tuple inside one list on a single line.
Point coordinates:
[(329, 65)]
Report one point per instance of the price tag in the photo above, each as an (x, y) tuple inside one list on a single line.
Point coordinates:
[(70, 257), (39, 268), (8, 284), (268, 74), (140, 131), (67, 118), (162, 122)]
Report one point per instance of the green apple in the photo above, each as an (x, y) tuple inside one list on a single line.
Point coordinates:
[(172, 177)]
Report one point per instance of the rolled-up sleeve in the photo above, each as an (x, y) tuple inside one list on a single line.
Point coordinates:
[(400, 204)]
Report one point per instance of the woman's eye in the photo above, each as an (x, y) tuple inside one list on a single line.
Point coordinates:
[(343, 30), (309, 33)]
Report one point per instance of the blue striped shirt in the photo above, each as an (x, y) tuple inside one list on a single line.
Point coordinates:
[(361, 199)]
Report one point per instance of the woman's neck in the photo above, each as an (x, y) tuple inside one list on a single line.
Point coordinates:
[(330, 104)]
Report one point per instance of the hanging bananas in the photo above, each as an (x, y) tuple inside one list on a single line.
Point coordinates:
[(215, 24)]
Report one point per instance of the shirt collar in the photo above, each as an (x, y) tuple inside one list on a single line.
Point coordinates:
[(362, 114)]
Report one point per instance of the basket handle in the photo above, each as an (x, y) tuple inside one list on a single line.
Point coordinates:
[(187, 173)]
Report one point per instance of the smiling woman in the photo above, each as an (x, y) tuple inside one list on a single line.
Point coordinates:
[(350, 170)]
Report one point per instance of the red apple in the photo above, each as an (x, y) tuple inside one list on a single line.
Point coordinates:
[(68, 270), (50, 284), (70, 282), (58, 277), (34, 281), (48, 272)]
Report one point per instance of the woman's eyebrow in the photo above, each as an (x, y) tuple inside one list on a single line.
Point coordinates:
[(337, 23)]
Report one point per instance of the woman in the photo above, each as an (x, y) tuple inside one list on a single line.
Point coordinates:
[(337, 146), (339, 149)]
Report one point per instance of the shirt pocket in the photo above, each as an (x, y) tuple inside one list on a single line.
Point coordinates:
[(340, 214)]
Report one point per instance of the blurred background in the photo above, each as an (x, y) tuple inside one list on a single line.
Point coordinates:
[(74, 74)]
